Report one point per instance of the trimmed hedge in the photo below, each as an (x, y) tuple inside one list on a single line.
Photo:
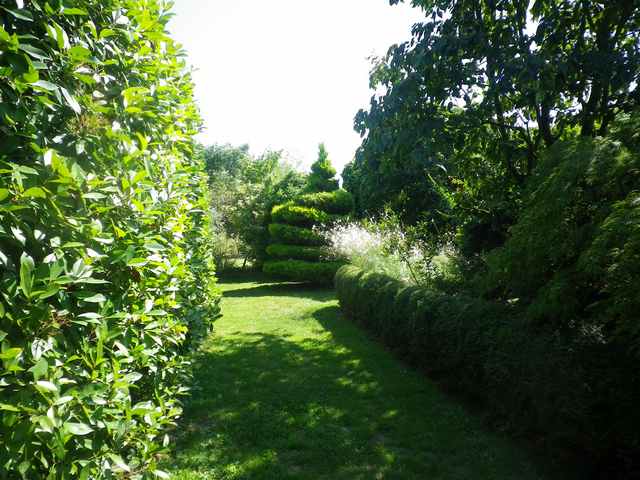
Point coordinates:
[(292, 214), (572, 389), (339, 202), (295, 252), (302, 271), (292, 235)]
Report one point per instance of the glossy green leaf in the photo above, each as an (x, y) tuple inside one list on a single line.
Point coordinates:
[(77, 428), (27, 267)]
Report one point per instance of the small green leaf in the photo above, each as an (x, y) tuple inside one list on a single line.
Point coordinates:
[(4, 193), (35, 192), (94, 196), (45, 85), (40, 369), (74, 11), (21, 14), (46, 385), (78, 428), (97, 298), (119, 462), (26, 274), (79, 52), (8, 408), (71, 101), (137, 262), (10, 353)]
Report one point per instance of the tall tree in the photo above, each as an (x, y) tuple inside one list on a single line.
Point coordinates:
[(476, 94)]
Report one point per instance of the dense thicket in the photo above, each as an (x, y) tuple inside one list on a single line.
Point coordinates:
[(105, 270)]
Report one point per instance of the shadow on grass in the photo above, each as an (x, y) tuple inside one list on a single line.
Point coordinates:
[(296, 290), (327, 406)]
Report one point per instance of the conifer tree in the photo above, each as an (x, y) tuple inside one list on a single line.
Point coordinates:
[(322, 177)]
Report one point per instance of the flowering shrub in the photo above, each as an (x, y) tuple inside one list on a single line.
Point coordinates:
[(376, 249)]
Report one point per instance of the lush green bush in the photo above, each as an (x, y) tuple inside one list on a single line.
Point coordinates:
[(303, 271), (573, 257), (106, 277), (292, 235), (574, 390), (292, 214), (296, 252), (244, 189), (338, 202)]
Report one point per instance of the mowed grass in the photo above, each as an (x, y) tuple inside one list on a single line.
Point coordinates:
[(286, 388)]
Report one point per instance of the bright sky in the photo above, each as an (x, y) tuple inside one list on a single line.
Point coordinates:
[(286, 74)]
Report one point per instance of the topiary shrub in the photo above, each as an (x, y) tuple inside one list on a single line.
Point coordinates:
[(292, 235), (106, 280), (303, 271), (296, 252), (338, 202), (293, 214), (295, 226)]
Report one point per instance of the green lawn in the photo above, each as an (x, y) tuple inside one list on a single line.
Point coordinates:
[(288, 389)]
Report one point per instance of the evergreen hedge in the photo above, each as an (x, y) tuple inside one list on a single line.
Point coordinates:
[(303, 271), (574, 390), (295, 252), (292, 235), (106, 280)]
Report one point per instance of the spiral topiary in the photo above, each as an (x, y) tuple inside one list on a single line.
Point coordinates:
[(296, 251)]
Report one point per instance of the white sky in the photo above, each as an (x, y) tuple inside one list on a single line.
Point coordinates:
[(286, 74)]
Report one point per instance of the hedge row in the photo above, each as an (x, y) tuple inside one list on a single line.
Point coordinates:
[(303, 271), (338, 202), (292, 235), (291, 214), (572, 388), (105, 275), (295, 252)]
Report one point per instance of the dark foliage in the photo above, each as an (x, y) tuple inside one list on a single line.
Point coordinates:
[(574, 391)]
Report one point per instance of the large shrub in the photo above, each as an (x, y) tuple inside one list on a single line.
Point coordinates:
[(297, 225), (574, 390), (573, 257), (297, 252), (105, 271)]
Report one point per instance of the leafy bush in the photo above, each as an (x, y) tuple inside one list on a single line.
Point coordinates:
[(338, 202), (575, 390), (302, 271), (106, 275), (292, 214), (296, 252), (244, 190), (292, 235), (573, 258)]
